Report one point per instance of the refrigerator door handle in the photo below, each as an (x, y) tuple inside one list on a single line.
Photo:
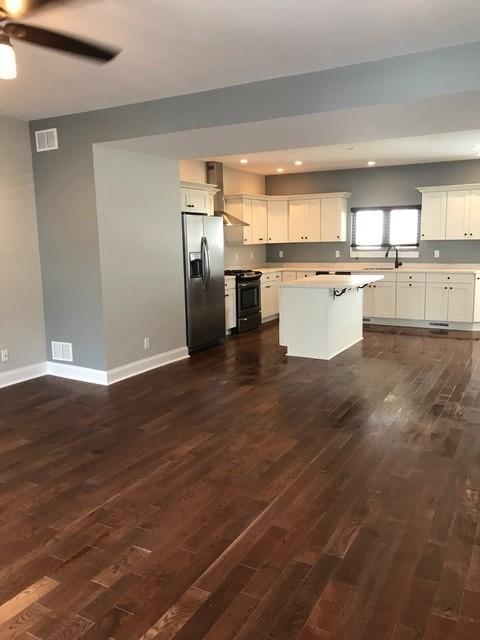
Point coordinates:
[(207, 256), (203, 251)]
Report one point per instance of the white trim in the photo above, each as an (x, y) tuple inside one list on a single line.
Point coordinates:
[(301, 196), (449, 187), (81, 374), (147, 364), (14, 376), (424, 324)]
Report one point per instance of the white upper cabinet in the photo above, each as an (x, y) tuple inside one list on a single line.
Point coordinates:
[(259, 222), (312, 227), (296, 221), (304, 220), (434, 215), (458, 212), (277, 221), (451, 212), (334, 220), (197, 198), (474, 218)]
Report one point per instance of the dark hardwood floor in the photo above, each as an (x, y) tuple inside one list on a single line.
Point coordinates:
[(240, 495)]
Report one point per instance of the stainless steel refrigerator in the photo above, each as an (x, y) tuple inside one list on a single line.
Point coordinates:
[(203, 247)]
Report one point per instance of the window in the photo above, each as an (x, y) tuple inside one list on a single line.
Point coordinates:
[(376, 228)]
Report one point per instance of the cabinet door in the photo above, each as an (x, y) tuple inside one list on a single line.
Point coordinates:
[(434, 215), (458, 205), (230, 310), (268, 301), (334, 220), (460, 303), (259, 222), (383, 302), (367, 301), (474, 217), (312, 229), (248, 218), (410, 300), (277, 221), (197, 201), (296, 221), (436, 301)]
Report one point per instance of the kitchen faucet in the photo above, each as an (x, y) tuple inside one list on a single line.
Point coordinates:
[(397, 261)]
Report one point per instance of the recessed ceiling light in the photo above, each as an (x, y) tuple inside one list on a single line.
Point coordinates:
[(298, 163), (371, 163), (243, 161), (280, 170)]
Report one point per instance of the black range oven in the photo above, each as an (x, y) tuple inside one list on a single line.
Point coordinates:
[(249, 302)]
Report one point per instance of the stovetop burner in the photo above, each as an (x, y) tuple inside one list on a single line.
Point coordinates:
[(242, 273)]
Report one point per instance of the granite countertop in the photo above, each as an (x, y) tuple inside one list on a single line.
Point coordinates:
[(359, 267), (331, 282)]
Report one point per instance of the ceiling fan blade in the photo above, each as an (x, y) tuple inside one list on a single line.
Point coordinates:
[(58, 41), (21, 8)]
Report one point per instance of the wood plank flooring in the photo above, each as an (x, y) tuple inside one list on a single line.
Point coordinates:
[(243, 496)]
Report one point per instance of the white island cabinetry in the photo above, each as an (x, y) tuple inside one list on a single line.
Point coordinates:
[(322, 316)]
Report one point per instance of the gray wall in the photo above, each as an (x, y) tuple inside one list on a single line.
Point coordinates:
[(139, 230), (64, 179), (21, 316), (375, 187)]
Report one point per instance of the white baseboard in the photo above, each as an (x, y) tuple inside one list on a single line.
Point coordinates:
[(146, 364), (72, 372), (94, 376), (14, 376)]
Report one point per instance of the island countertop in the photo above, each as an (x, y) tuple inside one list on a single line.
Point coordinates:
[(332, 282)]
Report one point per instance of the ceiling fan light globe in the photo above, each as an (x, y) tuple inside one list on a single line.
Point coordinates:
[(8, 63)]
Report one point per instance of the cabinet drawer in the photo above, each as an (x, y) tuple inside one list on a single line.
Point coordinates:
[(271, 277), (305, 274), (411, 276), (288, 276), (455, 278), (230, 282)]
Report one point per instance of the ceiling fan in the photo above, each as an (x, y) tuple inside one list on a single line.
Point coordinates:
[(10, 30)]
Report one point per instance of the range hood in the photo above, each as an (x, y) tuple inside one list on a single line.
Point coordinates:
[(215, 176)]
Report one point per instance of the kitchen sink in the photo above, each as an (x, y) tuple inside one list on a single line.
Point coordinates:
[(379, 269)]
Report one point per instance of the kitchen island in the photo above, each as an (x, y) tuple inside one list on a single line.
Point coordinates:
[(321, 316)]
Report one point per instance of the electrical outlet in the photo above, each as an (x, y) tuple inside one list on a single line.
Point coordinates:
[(436, 253), (4, 355), (146, 343), (236, 257), (280, 254), (337, 254), (251, 255)]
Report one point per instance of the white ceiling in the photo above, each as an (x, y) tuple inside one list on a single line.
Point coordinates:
[(460, 145), (172, 47)]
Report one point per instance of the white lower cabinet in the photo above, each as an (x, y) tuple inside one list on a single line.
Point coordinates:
[(436, 302), (379, 300), (460, 303), (449, 302), (269, 299), (410, 301), (383, 299), (230, 304)]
